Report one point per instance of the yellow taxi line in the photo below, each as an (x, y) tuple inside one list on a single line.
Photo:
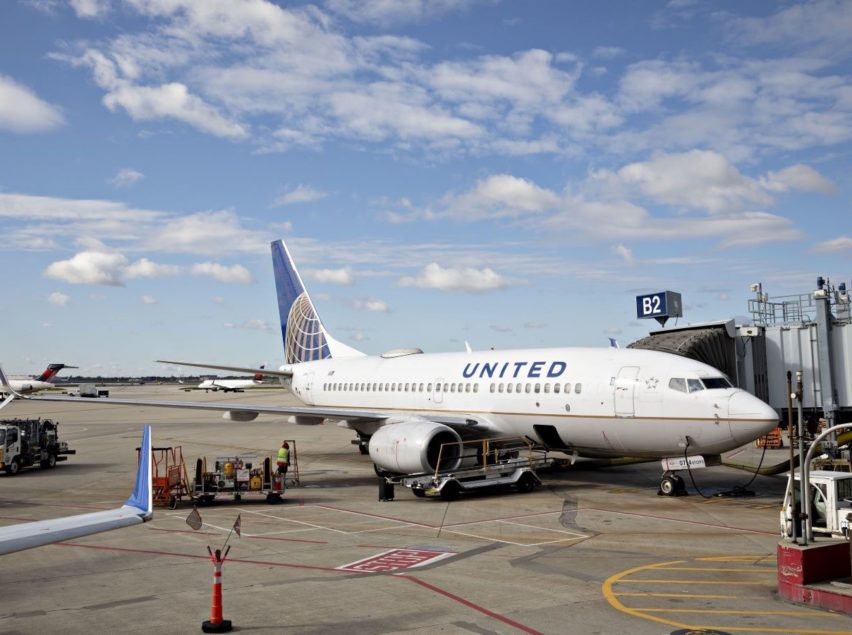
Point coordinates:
[(737, 612), (768, 629), (768, 570), (655, 581), (686, 595)]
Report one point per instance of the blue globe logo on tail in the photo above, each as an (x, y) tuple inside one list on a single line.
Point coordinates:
[(301, 329), (304, 339)]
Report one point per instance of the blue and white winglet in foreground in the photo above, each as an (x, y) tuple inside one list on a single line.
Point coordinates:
[(135, 511)]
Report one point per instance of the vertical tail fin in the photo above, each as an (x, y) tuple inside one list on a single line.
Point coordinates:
[(51, 371), (305, 337)]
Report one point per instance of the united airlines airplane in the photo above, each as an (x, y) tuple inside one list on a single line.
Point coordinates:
[(405, 404)]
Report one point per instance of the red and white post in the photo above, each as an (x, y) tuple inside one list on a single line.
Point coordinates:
[(216, 624)]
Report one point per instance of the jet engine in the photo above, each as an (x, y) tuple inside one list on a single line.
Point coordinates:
[(239, 415), (414, 445)]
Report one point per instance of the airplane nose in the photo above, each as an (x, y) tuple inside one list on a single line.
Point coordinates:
[(750, 417)]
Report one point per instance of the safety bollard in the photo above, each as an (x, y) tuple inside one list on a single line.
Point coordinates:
[(216, 624)]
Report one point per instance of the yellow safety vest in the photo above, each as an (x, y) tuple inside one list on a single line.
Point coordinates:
[(284, 455)]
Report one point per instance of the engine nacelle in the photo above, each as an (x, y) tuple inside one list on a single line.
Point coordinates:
[(239, 415), (413, 446), (307, 420)]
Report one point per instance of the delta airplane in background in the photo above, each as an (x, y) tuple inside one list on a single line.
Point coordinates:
[(34, 384), (137, 509), (231, 385), (405, 404)]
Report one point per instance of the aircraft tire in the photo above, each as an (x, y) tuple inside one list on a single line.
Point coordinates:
[(668, 486), (526, 483), (451, 491)]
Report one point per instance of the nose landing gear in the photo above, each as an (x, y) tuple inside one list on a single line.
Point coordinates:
[(671, 485)]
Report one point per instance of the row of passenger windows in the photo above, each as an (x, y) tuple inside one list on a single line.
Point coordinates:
[(536, 387), (399, 387), (450, 387)]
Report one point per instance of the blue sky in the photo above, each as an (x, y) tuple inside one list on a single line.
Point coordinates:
[(509, 173)]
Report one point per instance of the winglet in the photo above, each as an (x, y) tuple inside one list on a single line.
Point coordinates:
[(142, 497), (6, 388)]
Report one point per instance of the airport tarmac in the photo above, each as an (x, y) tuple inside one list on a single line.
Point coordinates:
[(592, 551)]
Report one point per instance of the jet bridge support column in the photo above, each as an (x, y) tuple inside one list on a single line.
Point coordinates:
[(822, 296)]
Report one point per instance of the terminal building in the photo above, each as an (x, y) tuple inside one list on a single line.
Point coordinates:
[(811, 332)]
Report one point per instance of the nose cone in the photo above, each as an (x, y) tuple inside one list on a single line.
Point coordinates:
[(750, 417)]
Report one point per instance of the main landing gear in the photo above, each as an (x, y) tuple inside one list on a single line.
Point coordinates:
[(671, 485)]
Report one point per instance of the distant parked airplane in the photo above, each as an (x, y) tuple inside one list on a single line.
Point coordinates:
[(34, 384), (231, 385), (136, 510)]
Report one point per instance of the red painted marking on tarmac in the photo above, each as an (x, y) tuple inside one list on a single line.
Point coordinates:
[(472, 605), (316, 542), (184, 531), (678, 520), (426, 585), (396, 560), (26, 520)]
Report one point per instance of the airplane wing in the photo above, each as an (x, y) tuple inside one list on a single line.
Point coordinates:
[(136, 510), (351, 415), (236, 369)]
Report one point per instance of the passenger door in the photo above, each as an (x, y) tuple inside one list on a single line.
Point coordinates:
[(624, 391)]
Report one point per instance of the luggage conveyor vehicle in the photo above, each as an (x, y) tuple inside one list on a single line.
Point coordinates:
[(482, 464)]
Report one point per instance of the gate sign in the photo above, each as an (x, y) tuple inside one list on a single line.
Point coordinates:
[(660, 306)]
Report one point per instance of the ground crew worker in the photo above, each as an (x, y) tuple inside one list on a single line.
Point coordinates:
[(284, 458)]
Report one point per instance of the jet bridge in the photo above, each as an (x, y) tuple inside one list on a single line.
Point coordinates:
[(811, 332)]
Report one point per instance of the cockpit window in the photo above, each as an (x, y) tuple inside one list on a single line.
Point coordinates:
[(715, 382), (694, 385), (677, 383)]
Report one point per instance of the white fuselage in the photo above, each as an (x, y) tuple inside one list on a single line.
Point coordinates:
[(598, 401), (226, 385), (27, 386)]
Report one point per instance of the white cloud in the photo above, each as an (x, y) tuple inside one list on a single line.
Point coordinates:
[(695, 179), (126, 177), (625, 253), (148, 299), (174, 100), (826, 23), (218, 299), (90, 8), (58, 298), (251, 325), (798, 177), (359, 336), (500, 195), (388, 12), (376, 306), (235, 274), (466, 280), (841, 243), (300, 194), (90, 267), (341, 276), (21, 110), (205, 233), (144, 268)]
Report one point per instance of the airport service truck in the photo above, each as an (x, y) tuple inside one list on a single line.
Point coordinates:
[(26, 442), (831, 503)]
